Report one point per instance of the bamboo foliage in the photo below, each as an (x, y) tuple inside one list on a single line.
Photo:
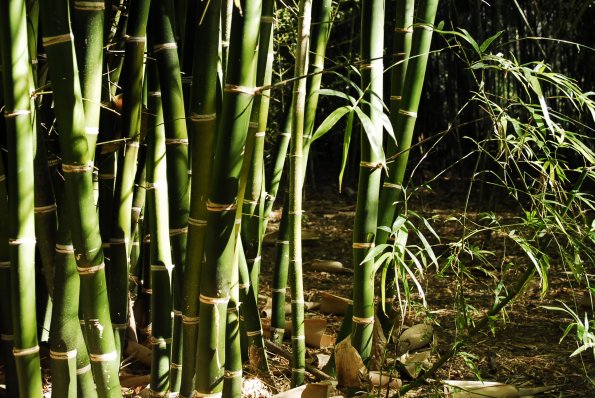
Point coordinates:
[(21, 221)]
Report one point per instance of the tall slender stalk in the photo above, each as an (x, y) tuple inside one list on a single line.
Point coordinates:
[(253, 205), (79, 200), (160, 258), (21, 227), (406, 116), (298, 342), (318, 40), (203, 122), (401, 50), (220, 242), (165, 50), (364, 230), (6, 330), (131, 115)]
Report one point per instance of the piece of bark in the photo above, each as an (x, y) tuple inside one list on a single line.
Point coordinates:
[(348, 364), (131, 381), (478, 389), (314, 329), (267, 311), (383, 379), (416, 362), (139, 351), (277, 350), (332, 304), (316, 390), (331, 266), (417, 336)]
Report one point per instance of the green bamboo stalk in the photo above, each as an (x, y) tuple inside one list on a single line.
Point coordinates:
[(227, 7), (127, 161), (318, 41), (401, 51), (253, 207), (45, 212), (321, 28), (21, 231), (6, 330), (404, 123), (165, 49), (298, 342), (203, 122), (220, 242), (364, 229), (79, 200), (71, 376), (161, 261), (88, 18)]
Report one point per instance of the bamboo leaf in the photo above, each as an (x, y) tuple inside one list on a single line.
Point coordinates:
[(336, 93), (330, 122), (346, 142), (486, 43), (374, 139)]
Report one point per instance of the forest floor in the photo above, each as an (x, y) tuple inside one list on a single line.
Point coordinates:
[(522, 349)]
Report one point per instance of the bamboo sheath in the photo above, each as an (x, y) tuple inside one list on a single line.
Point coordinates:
[(21, 222), (404, 119), (364, 230), (203, 124), (132, 73), (166, 52), (220, 242), (79, 200)]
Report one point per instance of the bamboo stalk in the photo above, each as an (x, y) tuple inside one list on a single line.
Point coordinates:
[(176, 142), (220, 242), (21, 221), (160, 258), (6, 329), (364, 229), (401, 51), (79, 200), (405, 118), (131, 113), (203, 123), (296, 167)]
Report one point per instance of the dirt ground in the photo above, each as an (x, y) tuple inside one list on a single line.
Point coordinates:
[(524, 347)]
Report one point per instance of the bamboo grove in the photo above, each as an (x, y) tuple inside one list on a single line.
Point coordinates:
[(134, 136)]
